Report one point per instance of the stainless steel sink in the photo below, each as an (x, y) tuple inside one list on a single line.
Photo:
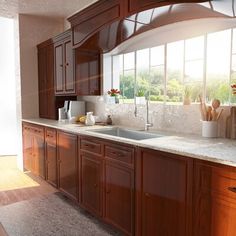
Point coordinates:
[(126, 133)]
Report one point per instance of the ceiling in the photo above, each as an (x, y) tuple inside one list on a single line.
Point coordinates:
[(47, 8)]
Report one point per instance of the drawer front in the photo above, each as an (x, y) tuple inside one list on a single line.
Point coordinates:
[(39, 131), (91, 145), (120, 153), (50, 135), (217, 180)]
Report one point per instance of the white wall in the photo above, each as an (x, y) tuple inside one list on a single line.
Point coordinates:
[(32, 31), (7, 88)]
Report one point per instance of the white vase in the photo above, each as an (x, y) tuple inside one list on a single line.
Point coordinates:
[(90, 120), (140, 100)]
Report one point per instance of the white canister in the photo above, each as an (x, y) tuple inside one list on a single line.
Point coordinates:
[(90, 120), (209, 129)]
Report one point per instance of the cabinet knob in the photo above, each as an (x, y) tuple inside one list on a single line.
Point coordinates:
[(232, 189), (61, 65), (147, 195), (67, 64), (95, 185)]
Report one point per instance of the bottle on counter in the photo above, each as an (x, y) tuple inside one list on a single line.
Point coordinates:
[(90, 120), (109, 120)]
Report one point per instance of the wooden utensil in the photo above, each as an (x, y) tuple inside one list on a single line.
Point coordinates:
[(215, 105), (203, 109), (219, 114), (209, 115)]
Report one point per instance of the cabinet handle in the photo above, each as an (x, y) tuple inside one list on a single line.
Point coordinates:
[(67, 64), (108, 191), (232, 189), (147, 194), (61, 65)]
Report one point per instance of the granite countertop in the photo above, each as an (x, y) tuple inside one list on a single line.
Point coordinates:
[(216, 150)]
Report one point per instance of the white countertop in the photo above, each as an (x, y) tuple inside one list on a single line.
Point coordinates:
[(216, 150)]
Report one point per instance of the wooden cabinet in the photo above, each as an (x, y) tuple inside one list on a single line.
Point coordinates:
[(90, 20), (64, 65), (91, 175), (215, 200), (88, 73), (47, 107), (67, 164), (163, 194), (33, 149), (139, 5), (119, 187), (51, 156)]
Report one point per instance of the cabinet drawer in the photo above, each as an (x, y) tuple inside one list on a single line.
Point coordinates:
[(91, 145), (120, 153), (39, 131), (217, 180), (50, 135)]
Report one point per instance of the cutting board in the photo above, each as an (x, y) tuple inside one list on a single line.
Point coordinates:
[(231, 124)]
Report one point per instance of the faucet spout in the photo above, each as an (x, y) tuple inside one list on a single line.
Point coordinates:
[(147, 124)]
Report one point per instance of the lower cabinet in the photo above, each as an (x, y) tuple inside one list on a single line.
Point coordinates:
[(91, 179), (163, 194), (51, 156), (67, 164), (33, 149), (215, 200)]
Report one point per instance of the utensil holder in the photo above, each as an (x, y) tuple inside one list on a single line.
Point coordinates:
[(209, 129)]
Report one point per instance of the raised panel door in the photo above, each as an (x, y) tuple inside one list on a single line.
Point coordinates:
[(91, 172), (67, 163), (69, 68), (59, 69), (164, 182), (119, 197), (51, 163), (38, 156), (27, 150)]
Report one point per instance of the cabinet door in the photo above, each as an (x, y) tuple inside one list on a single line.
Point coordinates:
[(38, 156), (88, 77), (51, 163), (69, 68), (67, 159), (59, 69), (27, 150), (215, 200), (42, 67), (91, 195), (119, 199), (163, 185)]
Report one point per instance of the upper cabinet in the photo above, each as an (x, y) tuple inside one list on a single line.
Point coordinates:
[(64, 65), (88, 21), (47, 105), (136, 5), (88, 76)]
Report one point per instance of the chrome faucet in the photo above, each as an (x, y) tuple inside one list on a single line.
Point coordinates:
[(147, 124)]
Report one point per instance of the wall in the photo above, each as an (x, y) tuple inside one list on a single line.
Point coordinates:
[(32, 31)]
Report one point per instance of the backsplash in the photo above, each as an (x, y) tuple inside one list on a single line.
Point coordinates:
[(174, 118)]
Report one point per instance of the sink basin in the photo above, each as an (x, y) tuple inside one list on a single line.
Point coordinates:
[(126, 133)]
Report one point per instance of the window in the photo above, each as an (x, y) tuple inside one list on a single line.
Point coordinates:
[(200, 66)]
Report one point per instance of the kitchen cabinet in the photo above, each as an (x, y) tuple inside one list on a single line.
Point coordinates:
[(91, 175), (51, 156), (64, 65), (138, 5), (119, 187), (88, 73), (90, 20), (215, 200), (67, 164), (163, 194), (47, 107), (33, 149)]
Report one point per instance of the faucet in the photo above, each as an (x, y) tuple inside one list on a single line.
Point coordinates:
[(147, 124)]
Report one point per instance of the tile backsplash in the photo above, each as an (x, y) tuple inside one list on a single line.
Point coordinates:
[(174, 118)]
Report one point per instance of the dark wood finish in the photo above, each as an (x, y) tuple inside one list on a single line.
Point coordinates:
[(64, 65), (67, 164), (88, 72), (120, 153), (163, 194), (215, 200), (91, 145), (119, 197), (91, 179), (47, 103), (88, 21), (51, 156), (33, 149)]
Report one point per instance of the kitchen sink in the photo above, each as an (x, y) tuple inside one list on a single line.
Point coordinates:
[(126, 133)]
